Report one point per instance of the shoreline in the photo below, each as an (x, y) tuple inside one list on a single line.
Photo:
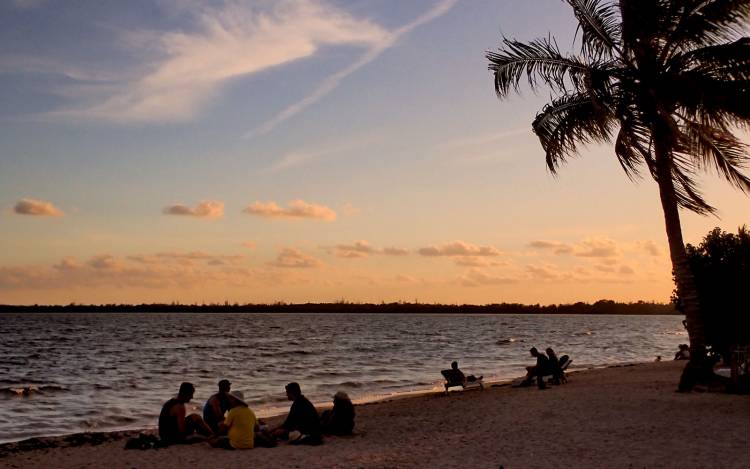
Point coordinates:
[(621, 416)]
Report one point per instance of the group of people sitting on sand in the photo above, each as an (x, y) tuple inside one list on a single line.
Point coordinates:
[(546, 365), (228, 422)]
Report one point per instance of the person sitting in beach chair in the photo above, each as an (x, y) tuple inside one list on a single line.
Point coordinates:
[(217, 405), (537, 371), (340, 419), (556, 367), (175, 427), (303, 419), (455, 377)]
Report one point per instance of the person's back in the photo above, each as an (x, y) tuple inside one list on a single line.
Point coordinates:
[(241, 422), (340, 419), (303, 417), (169, 429)]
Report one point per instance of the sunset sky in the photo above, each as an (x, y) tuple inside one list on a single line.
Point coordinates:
[(256, 151)]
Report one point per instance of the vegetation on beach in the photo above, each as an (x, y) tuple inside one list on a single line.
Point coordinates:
[(721, 266), (669, 82)]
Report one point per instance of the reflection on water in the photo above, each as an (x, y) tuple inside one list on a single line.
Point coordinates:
[(65, 373)]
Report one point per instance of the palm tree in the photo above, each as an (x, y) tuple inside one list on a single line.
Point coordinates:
[(669, 82)]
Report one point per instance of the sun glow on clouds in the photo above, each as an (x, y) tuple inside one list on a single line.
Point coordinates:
[(204, 209), (297, 209), (38, 208)]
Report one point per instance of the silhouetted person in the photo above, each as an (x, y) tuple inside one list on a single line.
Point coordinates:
[(174, 426), (217, 405), (683, 353), (302, 418), (340, 419), (539, 370), (464, 378), (554, 366)]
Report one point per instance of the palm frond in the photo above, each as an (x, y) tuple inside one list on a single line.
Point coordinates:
[(686, 190), (718, 149), (539, 60), (569, 121), (633, 143), (599, 27), (729, 61), (708, 22)]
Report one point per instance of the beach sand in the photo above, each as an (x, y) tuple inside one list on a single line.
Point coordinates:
[(618, 417)]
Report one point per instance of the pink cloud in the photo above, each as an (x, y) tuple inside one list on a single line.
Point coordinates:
[(295, 259), (296, 209), (459, 248), (38, 208), (204, 209)]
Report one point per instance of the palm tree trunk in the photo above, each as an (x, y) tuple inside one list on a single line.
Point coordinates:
[(686, 289)]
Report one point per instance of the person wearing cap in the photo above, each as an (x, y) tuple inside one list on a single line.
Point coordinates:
[(175, 426), (302, 418), (217, 405), (340, 419), (239, 425)]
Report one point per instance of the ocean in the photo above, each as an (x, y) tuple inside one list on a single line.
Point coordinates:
[(112, 371)]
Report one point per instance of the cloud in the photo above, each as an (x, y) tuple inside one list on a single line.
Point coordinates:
[(350, 210), (38, 208), (185, 69), (296, 209), (596, 247), (250, 244), (626, 270), (556, 246), (478, 278), (379, 46), (361, 249), (295, 259), (459, 248), (204, 209), (403, 278), (104, 262), (651, 248)]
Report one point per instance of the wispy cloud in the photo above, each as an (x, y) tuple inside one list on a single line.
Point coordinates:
[(479, 278), (297, 209), (384, 43), (363, 248), (589, 247), (233, 40), (204, 209), (38, 208)]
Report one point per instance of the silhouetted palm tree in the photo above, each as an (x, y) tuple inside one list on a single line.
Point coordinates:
[(669, 81)]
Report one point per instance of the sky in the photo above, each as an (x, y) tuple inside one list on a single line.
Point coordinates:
[(263, 151)]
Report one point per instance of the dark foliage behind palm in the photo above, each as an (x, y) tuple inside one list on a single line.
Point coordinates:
[(668, 82)]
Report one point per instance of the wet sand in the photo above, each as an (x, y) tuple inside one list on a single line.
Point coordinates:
[(619, 417)]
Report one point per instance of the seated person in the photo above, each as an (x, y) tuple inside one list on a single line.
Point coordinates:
[(302, 418), (174, 426), (340, 419), (539, 370), (239, 425), (465, 379), (217, 405), (683, 353), (554, 366)]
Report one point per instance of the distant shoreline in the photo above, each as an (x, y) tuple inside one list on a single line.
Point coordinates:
[(602, 307)]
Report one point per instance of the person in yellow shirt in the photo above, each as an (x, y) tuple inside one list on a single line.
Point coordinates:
[(239, 424)]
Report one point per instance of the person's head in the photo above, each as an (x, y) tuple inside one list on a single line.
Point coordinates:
[(186, 392), (340, 396), (550, 352), (239, 399), (454, 365), (224, 386), (293, 391), (533, 351)]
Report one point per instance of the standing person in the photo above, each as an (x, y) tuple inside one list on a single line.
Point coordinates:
[(302, 418), (175, 427), (340, 419), (239, 425), (217, 405), (539, 370)]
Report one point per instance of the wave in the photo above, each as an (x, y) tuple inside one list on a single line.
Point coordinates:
[(25, 391)]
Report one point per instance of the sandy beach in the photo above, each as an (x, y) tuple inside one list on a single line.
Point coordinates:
[(627, 416)]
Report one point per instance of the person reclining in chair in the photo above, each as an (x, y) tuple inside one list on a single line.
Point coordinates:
[(464, 379)]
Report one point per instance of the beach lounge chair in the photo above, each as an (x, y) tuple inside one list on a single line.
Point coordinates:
[(453, 379), (565, 362)]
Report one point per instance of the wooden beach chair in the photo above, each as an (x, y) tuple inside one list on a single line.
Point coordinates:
[(453, 380)]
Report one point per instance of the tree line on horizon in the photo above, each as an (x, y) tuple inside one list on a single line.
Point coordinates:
[(599, 307)]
